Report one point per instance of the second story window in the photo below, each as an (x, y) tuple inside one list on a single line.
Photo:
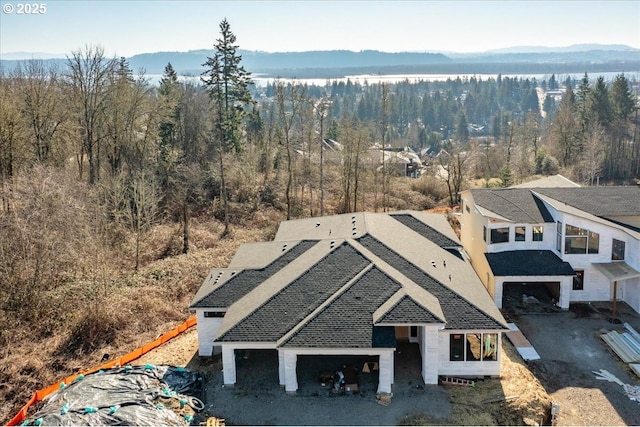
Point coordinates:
[(559, 236), (538, 233), (521, 233), (617, 250), (580, 240), (500, 235)]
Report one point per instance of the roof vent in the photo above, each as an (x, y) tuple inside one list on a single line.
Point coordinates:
[(444, 263), (433, 263), (317, 224), (233, 273), (332, 244), (284, 247), (449, 277)]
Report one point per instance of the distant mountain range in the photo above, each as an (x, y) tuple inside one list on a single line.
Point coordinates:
[(338, 63)]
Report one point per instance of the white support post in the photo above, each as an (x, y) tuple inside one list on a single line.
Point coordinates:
[(386, 372), (565, 292), (229, 365), (498, 291), (290, 376), (430, 355), (281, 373)]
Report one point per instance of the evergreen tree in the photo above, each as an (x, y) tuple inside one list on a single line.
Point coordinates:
[(228, 84)]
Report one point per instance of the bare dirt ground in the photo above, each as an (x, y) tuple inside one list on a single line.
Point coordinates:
[(567, 341)]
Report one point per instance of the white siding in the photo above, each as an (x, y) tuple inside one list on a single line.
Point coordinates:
[(207, 330)]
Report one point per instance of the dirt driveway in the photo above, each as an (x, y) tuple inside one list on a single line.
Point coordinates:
[(571, 349)]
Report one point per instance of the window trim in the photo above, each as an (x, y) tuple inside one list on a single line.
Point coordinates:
[(575, 233)]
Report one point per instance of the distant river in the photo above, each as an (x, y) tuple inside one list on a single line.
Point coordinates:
[(633, 77)]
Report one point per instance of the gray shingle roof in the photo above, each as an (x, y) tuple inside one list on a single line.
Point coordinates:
[(459, 313), (408, 311), (347, 321), (425, 231), (598, 201), (517, 204), (291, 305), (528, 263), (246, 280)]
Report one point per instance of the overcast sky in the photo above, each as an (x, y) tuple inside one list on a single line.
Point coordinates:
[(125, 28)]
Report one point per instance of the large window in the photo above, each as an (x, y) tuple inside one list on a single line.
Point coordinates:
[(538, 233), (580, 240), (578, 280), (521, 233), (617, 250), (559, 236), (500, 235), (473, 347)]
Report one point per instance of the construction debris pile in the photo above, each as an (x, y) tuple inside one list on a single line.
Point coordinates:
[(129, 395), (633, 392)]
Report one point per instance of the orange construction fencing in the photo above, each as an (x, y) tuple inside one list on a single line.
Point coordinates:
[(122, 361)]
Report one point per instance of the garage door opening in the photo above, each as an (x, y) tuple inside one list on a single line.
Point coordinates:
[(530, 297), (317, 373)]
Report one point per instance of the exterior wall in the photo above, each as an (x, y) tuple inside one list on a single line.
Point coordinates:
[(207, 331), (597, 287), (470, 369), (471, 228)]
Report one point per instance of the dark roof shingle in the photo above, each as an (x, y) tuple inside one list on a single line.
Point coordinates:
[(297, 300), (246, 280), (459, 313), (528, 263), (425, 231), (599, 201)]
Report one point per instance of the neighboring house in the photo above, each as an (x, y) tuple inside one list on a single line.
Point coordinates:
[(353, 285), (581, 243)]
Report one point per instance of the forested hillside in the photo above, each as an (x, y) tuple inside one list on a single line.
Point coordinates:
[(118, 196)]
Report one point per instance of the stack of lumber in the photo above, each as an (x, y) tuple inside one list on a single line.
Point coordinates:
[(626, 344)]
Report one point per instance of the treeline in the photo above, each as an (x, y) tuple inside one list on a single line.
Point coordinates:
[(174, 142)]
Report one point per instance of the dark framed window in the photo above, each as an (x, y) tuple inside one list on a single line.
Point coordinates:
[(413, 331), (456, 347), (473, 347), (617, 250), (559, 236), (214, 314), (484, 233), (500, 235), (538, 233), (580, 240), (521, 233), (578, 280)]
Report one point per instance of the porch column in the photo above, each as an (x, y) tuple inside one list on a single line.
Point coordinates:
[(290, 376), (430, 355), (497, 291), (281, 374), (566, 283), (386, 372), (228, 364)]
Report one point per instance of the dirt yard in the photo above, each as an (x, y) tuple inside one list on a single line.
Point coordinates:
[(567, 342)]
